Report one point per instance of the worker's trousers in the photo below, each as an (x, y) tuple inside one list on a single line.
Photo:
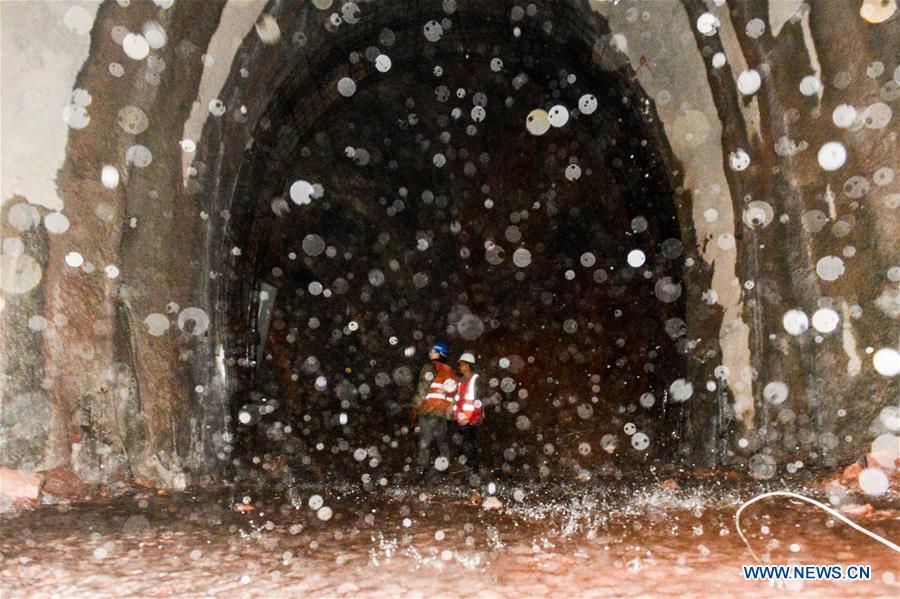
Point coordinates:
[(468, 434), (432, 430)]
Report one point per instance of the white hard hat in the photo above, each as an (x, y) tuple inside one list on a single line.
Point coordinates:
[(467, 357)]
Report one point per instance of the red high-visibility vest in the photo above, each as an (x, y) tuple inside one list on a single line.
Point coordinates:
[(468, 409), (442, 391)]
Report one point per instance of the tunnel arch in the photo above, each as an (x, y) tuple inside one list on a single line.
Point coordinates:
[(270, 146)]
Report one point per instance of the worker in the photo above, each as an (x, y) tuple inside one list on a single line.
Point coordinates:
[(468, 411), (433, 406)]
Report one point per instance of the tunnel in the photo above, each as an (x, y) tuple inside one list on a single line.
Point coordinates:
[(245, 241), (390, 243)]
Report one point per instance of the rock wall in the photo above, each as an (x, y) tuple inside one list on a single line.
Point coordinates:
[(119, 356)]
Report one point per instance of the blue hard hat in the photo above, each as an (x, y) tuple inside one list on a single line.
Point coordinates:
[(441, 348)]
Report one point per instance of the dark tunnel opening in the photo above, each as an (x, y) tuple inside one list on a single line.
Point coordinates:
[(424, 209)]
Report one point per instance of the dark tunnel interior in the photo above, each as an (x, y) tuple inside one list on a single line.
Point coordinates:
[(421, 210)]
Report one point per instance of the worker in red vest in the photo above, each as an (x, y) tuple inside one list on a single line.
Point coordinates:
[(433, 407), (468, 411)]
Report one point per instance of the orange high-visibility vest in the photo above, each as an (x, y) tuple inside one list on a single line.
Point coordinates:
[(442, 391), (468, 406)]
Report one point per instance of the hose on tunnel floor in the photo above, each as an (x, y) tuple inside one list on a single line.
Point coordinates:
[(819, 504)]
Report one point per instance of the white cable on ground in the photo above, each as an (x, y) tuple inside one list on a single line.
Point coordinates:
[(833, 512)]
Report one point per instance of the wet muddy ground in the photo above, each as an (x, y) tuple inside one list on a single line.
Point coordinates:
[(419, 541)]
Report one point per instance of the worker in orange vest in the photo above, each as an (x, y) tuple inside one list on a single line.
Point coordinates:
[(468, 411), (433, 407)]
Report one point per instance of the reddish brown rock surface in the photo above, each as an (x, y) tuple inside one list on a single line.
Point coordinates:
[(18, 488)]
